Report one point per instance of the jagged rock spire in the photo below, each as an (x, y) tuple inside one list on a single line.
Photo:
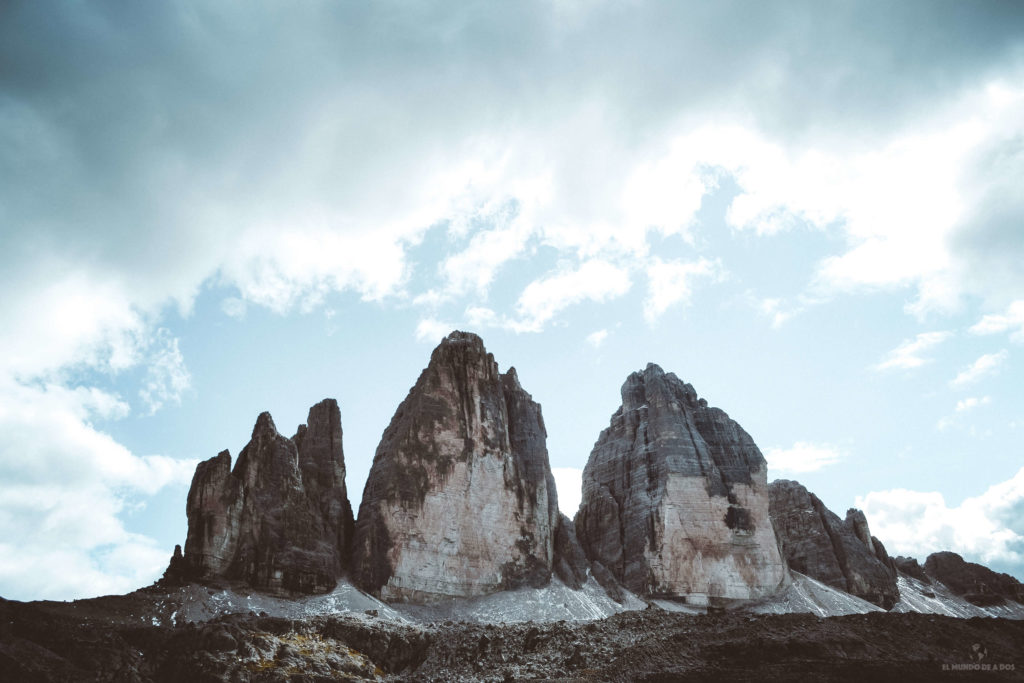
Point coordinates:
[(460, 500), (280, 520)]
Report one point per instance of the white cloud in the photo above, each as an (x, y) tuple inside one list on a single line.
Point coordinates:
[(773, 308), (473, 269), (433, 331), (909, 354), (802, 457), (543, 299), (962, 406), (985, 365), (971, 403), (988, 528), (63, 486), (233, 307), (1012, 321), (167, 378), (596, 338), (671, 282), (569, 482)]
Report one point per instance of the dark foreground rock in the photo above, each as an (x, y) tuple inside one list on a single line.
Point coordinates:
[(62, 644), (840, 553)]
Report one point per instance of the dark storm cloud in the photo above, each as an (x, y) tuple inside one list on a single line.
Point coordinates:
[(125, 126)]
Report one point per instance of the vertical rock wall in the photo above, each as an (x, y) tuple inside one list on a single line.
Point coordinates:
[(280, 520), (460, 500), (675, 498)]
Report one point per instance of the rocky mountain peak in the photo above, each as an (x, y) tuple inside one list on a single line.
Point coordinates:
[(675, 498), (280, 520), (460, 500)]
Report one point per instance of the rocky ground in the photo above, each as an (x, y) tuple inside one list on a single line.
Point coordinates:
[(84, 642)]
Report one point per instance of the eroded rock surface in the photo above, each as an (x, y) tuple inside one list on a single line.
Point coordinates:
[(840, 553), (977, 583), (460, 500), (280, 520), (675, 500)]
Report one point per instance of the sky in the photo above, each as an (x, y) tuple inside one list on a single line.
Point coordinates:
[(810, 211)]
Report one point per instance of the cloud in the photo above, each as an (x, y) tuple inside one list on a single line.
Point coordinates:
[(167, 378), (773, 308), (64, 486), (908, 354), (988, 528), (597, 337), (962, 406), (985, 365), (433, 331), (233, 307), (569, 482), (671, 282), (802, 457), (1012, 321), (543, 299), (971, 403)]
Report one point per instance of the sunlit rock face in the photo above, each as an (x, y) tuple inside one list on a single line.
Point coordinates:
[(675, 499), (839, 552), (281, 519), (460, 500)]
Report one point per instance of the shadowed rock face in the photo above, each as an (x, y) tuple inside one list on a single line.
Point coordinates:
[(280, 520), (840, 553), (460, 500), (911, 567), (976, 583), (675, 499)]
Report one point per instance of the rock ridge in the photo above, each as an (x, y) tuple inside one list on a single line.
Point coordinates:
[(840, 553)]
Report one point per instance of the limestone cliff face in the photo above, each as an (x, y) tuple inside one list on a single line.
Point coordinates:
[(280, 520), (675, 499), (840, 553), (460, 500)]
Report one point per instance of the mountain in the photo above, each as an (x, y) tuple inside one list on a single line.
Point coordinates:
[(675, 499), (682, 560), (460, 500), (281, 519)]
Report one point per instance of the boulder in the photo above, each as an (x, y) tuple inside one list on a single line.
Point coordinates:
[(675, 499)]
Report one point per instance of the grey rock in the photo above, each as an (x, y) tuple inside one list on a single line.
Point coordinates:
[(460, 500), (911, 567), (675, 500), (840, 553), (280, 520), (977, 583), (570, 561)]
